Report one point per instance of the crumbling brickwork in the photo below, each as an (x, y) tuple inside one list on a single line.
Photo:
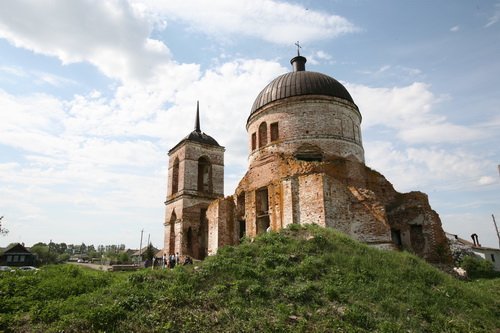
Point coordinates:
[(306, 165)]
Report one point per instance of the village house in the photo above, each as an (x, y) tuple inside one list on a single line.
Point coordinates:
[(18, 255)]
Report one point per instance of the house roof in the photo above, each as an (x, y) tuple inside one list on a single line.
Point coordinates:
[(17, 248), (142, 251), (466, 242)]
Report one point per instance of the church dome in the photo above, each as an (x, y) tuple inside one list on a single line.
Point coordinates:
[(300, 82)]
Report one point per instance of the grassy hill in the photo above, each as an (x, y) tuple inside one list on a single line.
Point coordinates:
[(303, 279)]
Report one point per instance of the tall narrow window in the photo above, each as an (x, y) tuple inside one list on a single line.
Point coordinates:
[(261, 201), (274, 132), (262, 135), (204, 175), (243, 228), (175, 176), (262, 208), (254, 141), (171, 248)]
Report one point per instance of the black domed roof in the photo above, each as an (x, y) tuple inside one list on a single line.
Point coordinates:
[(201, 137), (300, 82)]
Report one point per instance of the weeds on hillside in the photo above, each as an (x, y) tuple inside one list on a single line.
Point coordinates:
[(302, 279)]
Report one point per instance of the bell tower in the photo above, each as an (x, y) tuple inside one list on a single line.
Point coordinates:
[(195, 179)]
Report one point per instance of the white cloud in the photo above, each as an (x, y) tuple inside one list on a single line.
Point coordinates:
[(493, 19), (411, 168), (455, 28), (14, 70), (487, 180), (112, 35), (410, 111), (55, 80), (276, 22)]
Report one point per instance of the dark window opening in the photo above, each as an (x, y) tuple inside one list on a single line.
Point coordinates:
[(240, 206), (396, 237), (243, 228), (254, 141), (175, 176), (492, 257), (204, 175), (309, 158), (262, 204), (262, 135), (171, 248), (189, 241), (274, 132)]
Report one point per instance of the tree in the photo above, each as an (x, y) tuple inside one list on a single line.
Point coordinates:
[(124, 257), (44, 255), (63, 248), (94, 254), (3, 231), (91, 248), (150, 253)]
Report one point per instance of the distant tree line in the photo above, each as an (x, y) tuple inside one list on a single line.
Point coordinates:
[(53, 252)]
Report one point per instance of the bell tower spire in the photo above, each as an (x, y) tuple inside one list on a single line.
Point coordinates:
[(197, 121)]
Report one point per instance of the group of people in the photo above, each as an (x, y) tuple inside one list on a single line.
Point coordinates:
[(174, 259), (168, 261)]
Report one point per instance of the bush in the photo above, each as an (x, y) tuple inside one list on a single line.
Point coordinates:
[(64, 257), (477, 267)]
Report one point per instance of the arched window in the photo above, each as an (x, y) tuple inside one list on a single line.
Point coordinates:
[(171, 242), (175, 176), (275, 135), (262, 135), (204, 175)]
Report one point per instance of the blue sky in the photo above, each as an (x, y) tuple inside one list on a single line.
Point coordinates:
[(94, 93)]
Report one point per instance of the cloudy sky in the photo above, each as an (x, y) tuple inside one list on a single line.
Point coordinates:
[(93, 94)]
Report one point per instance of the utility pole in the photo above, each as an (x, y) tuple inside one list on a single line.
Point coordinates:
[(496, 228), (140, 250)]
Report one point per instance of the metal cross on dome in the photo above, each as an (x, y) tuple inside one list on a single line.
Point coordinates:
[(298, 48)]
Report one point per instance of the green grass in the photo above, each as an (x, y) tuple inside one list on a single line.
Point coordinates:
[(303, 279)]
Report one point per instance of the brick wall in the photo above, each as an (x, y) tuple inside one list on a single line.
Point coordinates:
[(329, 123)]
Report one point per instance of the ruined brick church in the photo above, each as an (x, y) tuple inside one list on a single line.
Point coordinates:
[(305, 165)]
